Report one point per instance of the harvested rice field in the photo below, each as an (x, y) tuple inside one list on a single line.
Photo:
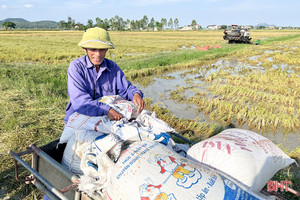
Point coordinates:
[(198, 92)]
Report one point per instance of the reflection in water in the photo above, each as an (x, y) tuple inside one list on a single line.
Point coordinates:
[(159, 91)]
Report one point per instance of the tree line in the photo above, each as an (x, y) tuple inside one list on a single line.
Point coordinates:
[(119, 24), (114, 23)]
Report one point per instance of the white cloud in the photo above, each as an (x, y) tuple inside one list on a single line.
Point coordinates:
[(28, 6), (4, 6)]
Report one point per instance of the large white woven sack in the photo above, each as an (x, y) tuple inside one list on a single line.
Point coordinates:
[(244, 155), (70, 159), (148, 170), (76, 147), (77, 121)]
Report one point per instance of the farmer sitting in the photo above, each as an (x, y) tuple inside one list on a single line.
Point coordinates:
[(93, 76)]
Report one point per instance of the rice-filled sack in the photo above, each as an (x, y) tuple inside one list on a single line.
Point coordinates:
[(148, 170), (244, 155), (70, 159), (101, 124), (126, 108), (76, 147)]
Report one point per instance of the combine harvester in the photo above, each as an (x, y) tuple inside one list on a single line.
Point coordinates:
[(237, 34)]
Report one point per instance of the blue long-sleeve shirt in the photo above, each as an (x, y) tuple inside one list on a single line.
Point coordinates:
[(85, 86)]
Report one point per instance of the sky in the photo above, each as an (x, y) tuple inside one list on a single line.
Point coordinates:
[(205, 12)]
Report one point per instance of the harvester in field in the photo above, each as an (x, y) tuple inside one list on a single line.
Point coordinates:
[(237, 34)]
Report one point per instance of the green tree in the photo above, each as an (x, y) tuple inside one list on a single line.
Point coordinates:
[(89, 23), (261, 27), (163, 22), (223, 27), (121, 24), (102, 23), (106, 24), (193, 24), (8, 25), (151, 24), (117, 23), (70, 23), (99, 22), (144, 22), (170, 23), (159, 26), (138, 24), (176, 23), (111, 21), (62, 24), (127, 24), (132, 25)]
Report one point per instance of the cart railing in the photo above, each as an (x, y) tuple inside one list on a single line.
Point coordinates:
[(48, 175)]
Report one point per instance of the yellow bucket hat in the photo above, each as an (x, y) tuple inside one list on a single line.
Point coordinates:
[(96, 38)]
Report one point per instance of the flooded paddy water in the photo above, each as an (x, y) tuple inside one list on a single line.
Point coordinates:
[(196, 94)]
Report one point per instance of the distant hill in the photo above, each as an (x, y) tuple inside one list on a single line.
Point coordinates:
[(19, 20), (264, 24), (24, 24)]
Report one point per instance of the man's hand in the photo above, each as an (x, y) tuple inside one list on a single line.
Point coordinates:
[(114, 115), (137, 100)]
